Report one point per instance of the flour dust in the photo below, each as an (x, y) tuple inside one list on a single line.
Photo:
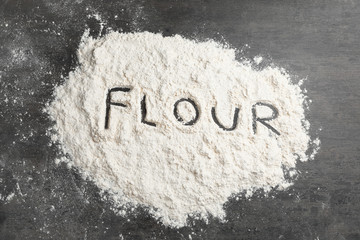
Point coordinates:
[(176, 125)]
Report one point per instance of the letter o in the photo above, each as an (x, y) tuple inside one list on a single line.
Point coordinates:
[(179, 118)]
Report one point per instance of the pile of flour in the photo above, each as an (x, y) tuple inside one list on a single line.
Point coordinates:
[(154, 158)]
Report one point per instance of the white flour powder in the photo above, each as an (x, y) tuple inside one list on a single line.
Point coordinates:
[(173, 168)]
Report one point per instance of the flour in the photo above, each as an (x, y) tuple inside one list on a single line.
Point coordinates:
[(156, 158)]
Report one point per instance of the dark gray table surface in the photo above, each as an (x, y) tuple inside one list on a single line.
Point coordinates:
[(313, 39)]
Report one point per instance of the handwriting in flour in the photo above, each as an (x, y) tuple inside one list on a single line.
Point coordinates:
[(179, 118), (109, 102), (144, 112), (193, 121), (256, 119)]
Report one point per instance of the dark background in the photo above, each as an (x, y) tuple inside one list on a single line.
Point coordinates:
[(313, 39)]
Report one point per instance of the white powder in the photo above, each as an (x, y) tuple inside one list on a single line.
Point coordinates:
[(258, 59), (174, 169)]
